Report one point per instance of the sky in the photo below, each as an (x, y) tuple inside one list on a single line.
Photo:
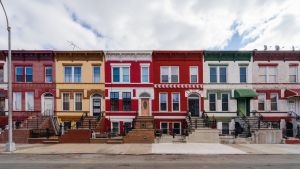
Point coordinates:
[(151, 24)]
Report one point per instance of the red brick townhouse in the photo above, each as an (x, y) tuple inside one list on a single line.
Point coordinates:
[(3, 90), (178, 88), (276, 80), (128, 88), (33, 81)]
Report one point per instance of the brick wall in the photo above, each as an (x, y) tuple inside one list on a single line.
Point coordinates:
[(76, 136)]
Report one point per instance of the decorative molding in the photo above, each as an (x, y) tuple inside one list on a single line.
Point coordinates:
[(128, 55), (189, 86)]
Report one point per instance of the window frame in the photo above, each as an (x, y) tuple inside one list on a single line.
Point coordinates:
[(296, 74), (75, 102), (273, 102), (121, 74), (148, 75), (268, 75), (116, 100), (225, 102), (14, 97), (73, 74), (167, 129), (172, 96), (165, 93), (47, 67), (264, 101), (94, 81), (169, 74), (22, 75), (69, 101), (246, 73), (112, 126), (125, 100), (197, 75), (226, 77), (27, 99), (215, 102)]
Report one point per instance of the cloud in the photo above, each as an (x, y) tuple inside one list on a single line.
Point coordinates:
[(155, 24)]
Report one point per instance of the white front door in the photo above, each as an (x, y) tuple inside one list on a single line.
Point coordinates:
[(48, 106)]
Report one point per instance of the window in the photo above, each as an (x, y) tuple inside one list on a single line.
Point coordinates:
[(163, 102), (21, 71), (177, 128), (48, 74), (267, 74), (29, 99), (145, 74), (115, 127), (223, 74), (72, 74), (261, 102), (293, 71), (243, 74), (96, 74), (274, 101), (213, 74), (225, 102), (194, 74), (78, 101), (66, 101), (164, 126), (126, 96), (169, 74), (120, 74), (17, 101), (1, 74), (114, 101), (212, 102), (175, 101)]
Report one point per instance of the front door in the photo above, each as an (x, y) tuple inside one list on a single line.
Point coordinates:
[(145, 109), (96, 106), (194, 107), (48, 106), (243, 107)]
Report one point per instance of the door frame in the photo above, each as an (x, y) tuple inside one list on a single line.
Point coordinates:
[(92, 101), (199, 97), (246, 104), (43, 102), (140, 103)]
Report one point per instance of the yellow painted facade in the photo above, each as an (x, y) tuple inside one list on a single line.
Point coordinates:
[(86, 60)]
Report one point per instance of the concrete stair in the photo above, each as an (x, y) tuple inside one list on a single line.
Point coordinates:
[(36, 122), (90, 122), (203, 135), (170, 139)]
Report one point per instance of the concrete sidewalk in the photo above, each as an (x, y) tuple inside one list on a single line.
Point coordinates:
[(164, 148)]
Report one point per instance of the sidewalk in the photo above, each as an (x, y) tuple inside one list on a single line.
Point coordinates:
[(165, 148)]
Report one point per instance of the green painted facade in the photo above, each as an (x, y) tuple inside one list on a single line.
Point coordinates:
[(227, 56)]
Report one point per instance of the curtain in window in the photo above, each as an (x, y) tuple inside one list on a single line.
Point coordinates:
[(28, 72), (163, 101), (194, 74), (96, 73), (17, 101), (48, 71), (125, 74), (145, 74), (164, 74), (66, 101), (77, 74), (78, 101), (29, 101), (174, 74), (68, 74)]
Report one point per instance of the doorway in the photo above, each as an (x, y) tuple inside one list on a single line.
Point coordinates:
[(243, 106), (145, 110), (47, 104), (96, 104), (194, 105)]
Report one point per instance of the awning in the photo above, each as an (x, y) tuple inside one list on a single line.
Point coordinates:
[(238, 93), (292, 93)]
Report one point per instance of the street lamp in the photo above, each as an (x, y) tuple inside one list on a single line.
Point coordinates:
[(10, 146)]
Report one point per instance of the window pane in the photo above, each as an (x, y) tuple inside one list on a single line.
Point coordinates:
[(293, 74), (145, 74), (48, 74), (194, 74), (19, 74), (224, 102), (29, 101), (262, 71), (78, 101), (66, 101), (175, 101), (115, 127), (273, 101), (261, 102), (17, 101), (164, 72), (96, 74), (77, 74), (213, 74), (223, 77), (163, 101), (1, 74), (28, 72), (243, 74), (125, 74), (68, 74), (116, 74), (212, 102), (126, 101), (174, 74), (114, 101), (164, 127)]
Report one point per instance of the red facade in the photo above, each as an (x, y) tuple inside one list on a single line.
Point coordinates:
[(184, 60), (29, 75)]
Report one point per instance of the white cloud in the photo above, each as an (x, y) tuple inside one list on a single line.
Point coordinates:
[(155, 24)]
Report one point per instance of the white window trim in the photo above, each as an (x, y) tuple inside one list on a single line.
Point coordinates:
[(296, 74), (160, 125), (191, 74), (276, 102), (118, 126), (26, 99), (47, 67), (219, 74), (74, 100), (73, 74), (178, 101), (179, 126), (246, 73), (215, 102), (145, 66), (160, 102), (268, 74), (169, 74), (62, 101), (121, 73), (265, 102), (94, 74), (14, 108), (222, 102)]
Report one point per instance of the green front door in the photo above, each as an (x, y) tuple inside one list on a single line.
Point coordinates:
[(243, 106)]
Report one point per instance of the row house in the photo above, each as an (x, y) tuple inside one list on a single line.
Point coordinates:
[(178, 80), (33, 83), (79, 85), (3, 89), (276, 80), (228, 84), (128, 88)]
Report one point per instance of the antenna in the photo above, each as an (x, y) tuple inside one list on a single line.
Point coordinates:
[(73, 45), (265, 47), (277, 47), (293, 48)]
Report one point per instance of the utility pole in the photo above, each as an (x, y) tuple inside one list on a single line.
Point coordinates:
[(10, 146)]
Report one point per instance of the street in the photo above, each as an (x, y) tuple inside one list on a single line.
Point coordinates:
[(90, 161)]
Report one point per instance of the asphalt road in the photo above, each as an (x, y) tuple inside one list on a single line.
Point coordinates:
[(90, 161)]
